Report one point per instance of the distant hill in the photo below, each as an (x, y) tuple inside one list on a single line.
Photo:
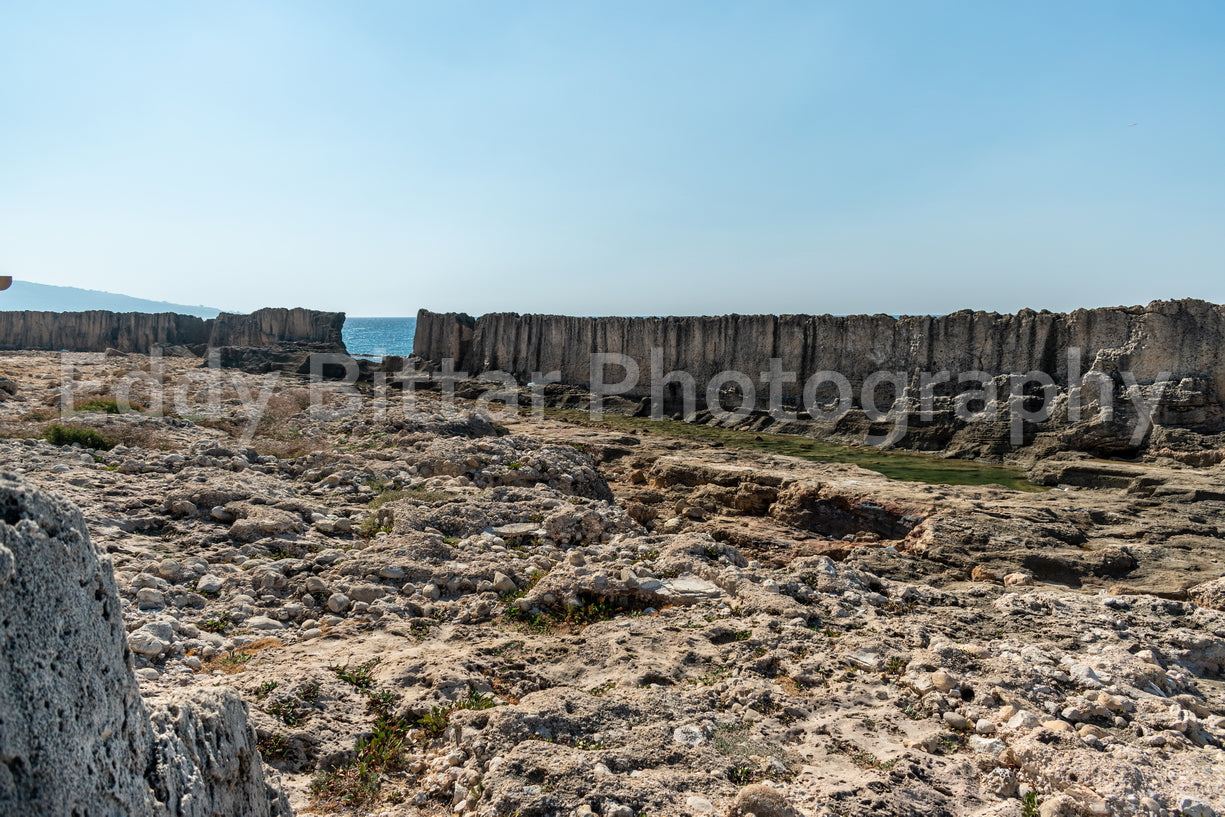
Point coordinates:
[(47, 298)]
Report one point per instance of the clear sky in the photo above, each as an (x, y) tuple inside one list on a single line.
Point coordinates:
[(617, 157)]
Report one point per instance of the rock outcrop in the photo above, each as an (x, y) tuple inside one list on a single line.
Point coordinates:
[(1175, 343), (75, 735), (139, 332), (266, 327), (96, 331)]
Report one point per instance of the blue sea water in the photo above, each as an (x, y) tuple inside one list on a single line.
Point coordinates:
[(377, 337)]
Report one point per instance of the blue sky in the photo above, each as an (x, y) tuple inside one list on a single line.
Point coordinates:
[(616, 157)]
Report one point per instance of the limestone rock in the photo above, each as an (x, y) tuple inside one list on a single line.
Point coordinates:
[(1209, 594), (69, 701)]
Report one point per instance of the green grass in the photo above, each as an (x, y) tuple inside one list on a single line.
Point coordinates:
[(105, 406), (907, 466), (57, 434)]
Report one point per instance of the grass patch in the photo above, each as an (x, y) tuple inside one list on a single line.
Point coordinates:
[(435, 722), (734, 741), (264, 689), (106, 406)]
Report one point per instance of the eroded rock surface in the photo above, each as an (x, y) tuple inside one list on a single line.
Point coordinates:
[(75, 735)]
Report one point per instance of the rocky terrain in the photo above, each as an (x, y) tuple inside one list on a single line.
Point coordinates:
[(429, 610)]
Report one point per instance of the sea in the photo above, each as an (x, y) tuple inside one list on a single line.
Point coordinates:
[(379, 337)]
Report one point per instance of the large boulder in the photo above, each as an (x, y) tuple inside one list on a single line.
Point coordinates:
[(75, 735)]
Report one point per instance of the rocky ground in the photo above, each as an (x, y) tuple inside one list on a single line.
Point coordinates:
[(431, 612)]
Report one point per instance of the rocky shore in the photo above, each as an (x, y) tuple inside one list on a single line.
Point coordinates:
[(429, 610)]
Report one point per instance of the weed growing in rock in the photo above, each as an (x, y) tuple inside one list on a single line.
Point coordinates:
[(216, 624), (287, 713), (264, 689), (272, 746), (359, 676), (860, 757)]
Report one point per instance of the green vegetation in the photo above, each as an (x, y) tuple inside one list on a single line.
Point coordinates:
[(105, 406), (381, 521), (287, 713), (57, 434), (589, 613), (263, 689), (861, 758), (359, 676), (235, 660), (357, 784), (272, 746), (216, 624), (906, 466)]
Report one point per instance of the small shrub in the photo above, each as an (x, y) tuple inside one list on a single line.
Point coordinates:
[(234, 661), (381, 521), (381, 702), (85, 437), (435, 721)]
